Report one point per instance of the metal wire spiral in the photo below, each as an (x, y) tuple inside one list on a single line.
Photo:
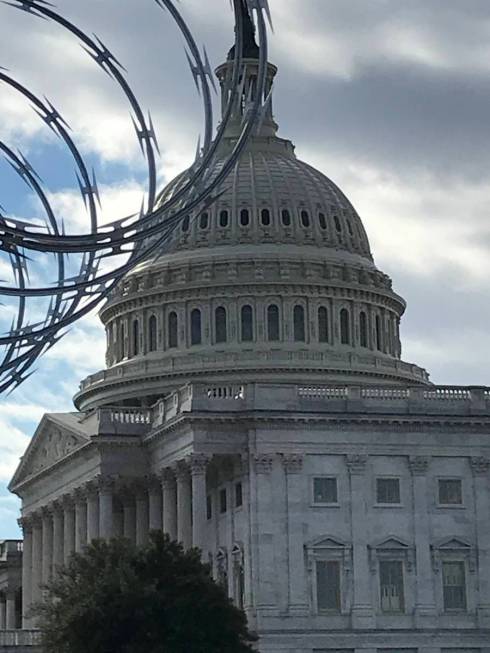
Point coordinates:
[(138, 236)]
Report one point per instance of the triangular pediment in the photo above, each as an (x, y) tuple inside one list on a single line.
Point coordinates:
[(327, 542), (391, 543), (453, 543), (56, 438)]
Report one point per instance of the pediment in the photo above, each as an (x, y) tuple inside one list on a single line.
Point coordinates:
[(54, 440), (327, 542), (452, 543), (391, 543)]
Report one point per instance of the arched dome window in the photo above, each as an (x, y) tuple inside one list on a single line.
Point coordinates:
[(121, 341), (152, 333), (322, 221), (265, 217), (223, 218), (220, 324), (185, 224), (379, 340), (247, 326), (305, 218), (391, 348), (363, 329), (286, 217), (204, 220), (172, 329), (196, 327), (349, 227), (136, 337), (322, 324), (244, 217), (338, 226), (344, 327), (299, 324), (273, 322)]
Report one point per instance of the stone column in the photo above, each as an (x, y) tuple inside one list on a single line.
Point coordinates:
[(92, 513), (3, 612), (198, 464), (184, 509), (10, 613), (480, 467), (80, 520), (263, 532), (47, 545), (58, 537), (425, 605), (169, 500), (37, 558), (295, 506), (26, 525), (155, 507), (362, 608), (106, 509), (68, 527), (141, 514), (129, 515)]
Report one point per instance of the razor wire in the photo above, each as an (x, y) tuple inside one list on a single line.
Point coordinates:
[(138, 236)]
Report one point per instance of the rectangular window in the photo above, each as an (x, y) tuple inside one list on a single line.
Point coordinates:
[(238, 495), (209, 507), (454, 585), (391, 586), (328, 585), (222, 500), (325, 490), (387, 490), (450, 492)]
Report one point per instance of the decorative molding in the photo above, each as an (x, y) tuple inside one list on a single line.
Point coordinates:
[(391, 548), (451, 548), (292, 462), (356, 463), (480, 465), (263, 463), (198, 463), (182, 470), (419, 465), (168, 478)]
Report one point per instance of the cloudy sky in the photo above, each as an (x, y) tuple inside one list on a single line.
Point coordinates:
[(389, 98)]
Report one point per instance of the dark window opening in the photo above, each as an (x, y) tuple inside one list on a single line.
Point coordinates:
[(379, 343), (247, 324), (204, 220), (305, 218), (387, 490), (450, 492), (185, 224), (286, 218), (344, 327), (238, 495), (322, 220), (328, 585), (223, 218), (152, 333), (322, 324), (325, 490), (391, 586), (209, 507), (244, 217), (196, 336), (172, 329), (220, 324), (265, 217), (299, 324), (454, 585), (273, 322), (338, 226), (222, 500)]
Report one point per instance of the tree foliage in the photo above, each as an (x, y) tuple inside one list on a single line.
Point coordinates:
[(116, 598)]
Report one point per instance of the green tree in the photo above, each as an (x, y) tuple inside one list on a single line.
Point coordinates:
[(116, 598)]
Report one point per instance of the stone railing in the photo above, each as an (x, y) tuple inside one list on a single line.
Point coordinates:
[(18, 638), (229, 398)]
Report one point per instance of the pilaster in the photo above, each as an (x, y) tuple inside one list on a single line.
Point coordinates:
[(198, 464), (26, 525), (169, 501), (184, 500), (362, 608), (480, 467)]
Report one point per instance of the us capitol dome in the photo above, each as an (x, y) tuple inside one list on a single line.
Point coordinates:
[(274, 282)]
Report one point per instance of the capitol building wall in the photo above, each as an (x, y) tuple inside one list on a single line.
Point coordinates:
[(255, 404)]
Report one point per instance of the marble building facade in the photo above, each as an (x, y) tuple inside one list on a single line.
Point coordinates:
[(255, 404)]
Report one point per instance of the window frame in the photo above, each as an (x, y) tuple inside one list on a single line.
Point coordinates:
[(450, 506), (269, 305), (392, 560), (242, 322), (193, 328), (320, 504), (384, 504), (464, 566), (299, 309), (329, 611), (323, 549), (221, 325)]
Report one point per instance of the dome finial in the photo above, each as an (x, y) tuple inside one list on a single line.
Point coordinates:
[(250, 49)]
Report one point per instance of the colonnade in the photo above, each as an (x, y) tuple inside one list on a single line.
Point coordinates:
[(105, 507), (8, 616)]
